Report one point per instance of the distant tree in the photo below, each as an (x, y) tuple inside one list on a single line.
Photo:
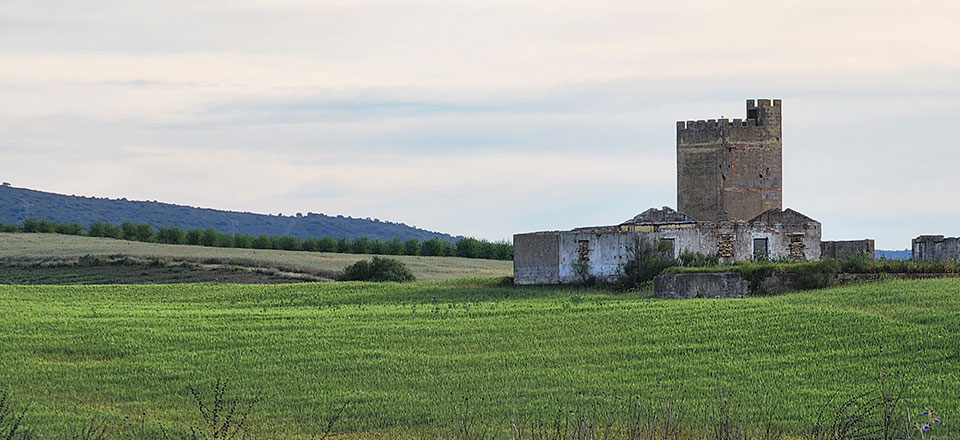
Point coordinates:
[(393, 246), (144, 232), (503, 250), (10, 228), (327, 244), (243, 241), (289, 243), (68, 228), (195, 236), (263, 242), (343, 245), (39, 226), (376, 247), (224, 240), (411, 247), (434, 247), (468, 248), (209, 237), (129, 230), (311, 244), (171, 235), (104, 229), (361, 245)]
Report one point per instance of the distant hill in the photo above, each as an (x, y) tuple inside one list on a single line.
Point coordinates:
[(894, 255), (17, 204)]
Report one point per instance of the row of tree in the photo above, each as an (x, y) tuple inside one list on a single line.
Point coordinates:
[(464, 247)]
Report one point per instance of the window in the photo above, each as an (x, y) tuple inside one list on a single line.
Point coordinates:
[(760, 248), (583, 250), (667, 247)]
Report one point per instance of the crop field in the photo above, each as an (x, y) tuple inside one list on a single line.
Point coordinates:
[(22, 245), (424, 358)]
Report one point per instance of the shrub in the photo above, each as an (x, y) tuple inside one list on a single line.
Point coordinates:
[(378, 269), (645, 262)]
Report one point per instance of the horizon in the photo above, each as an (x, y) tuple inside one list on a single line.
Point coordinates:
[(484, 118)]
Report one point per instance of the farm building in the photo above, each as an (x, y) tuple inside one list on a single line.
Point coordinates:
[(729, 188)]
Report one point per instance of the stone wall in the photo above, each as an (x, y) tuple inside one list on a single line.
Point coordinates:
[(936, 248), (536, 258), (846, 249), (700, 285), (731, 170)]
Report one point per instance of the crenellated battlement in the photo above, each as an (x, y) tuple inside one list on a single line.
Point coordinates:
[(715, 124), (760, 113)]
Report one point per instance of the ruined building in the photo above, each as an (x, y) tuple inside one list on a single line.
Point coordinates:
[(936, 248), (729, 194)]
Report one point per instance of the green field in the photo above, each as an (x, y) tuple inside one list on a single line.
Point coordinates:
[(22, 245), (407, 356)]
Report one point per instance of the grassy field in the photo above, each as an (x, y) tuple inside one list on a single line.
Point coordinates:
[(55, 245), (413, 359)]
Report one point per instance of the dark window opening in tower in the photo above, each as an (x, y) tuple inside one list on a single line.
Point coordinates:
[(753, 113)]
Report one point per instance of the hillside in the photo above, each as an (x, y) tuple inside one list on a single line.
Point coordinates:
[(432, 356), (17, 204), (38, 246)]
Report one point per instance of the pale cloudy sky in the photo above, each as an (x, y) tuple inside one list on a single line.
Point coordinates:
[(480, 118)]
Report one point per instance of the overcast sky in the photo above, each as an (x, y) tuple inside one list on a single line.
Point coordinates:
[(481, 118)]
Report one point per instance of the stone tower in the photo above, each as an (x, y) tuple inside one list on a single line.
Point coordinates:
[(731, 170)]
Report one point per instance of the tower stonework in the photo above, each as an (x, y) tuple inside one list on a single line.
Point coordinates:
[(731, 170)]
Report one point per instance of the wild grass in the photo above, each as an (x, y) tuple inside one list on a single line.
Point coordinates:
[(419, 360)]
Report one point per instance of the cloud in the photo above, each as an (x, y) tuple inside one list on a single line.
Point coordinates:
[(478, 118)]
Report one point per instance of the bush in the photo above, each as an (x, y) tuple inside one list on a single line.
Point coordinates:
[(644, 264), (378, 269)]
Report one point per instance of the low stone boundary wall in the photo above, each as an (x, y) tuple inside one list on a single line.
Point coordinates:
[(732, 285), (702, 285)]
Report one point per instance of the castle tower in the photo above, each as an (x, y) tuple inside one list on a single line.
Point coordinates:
[(731, 170)]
